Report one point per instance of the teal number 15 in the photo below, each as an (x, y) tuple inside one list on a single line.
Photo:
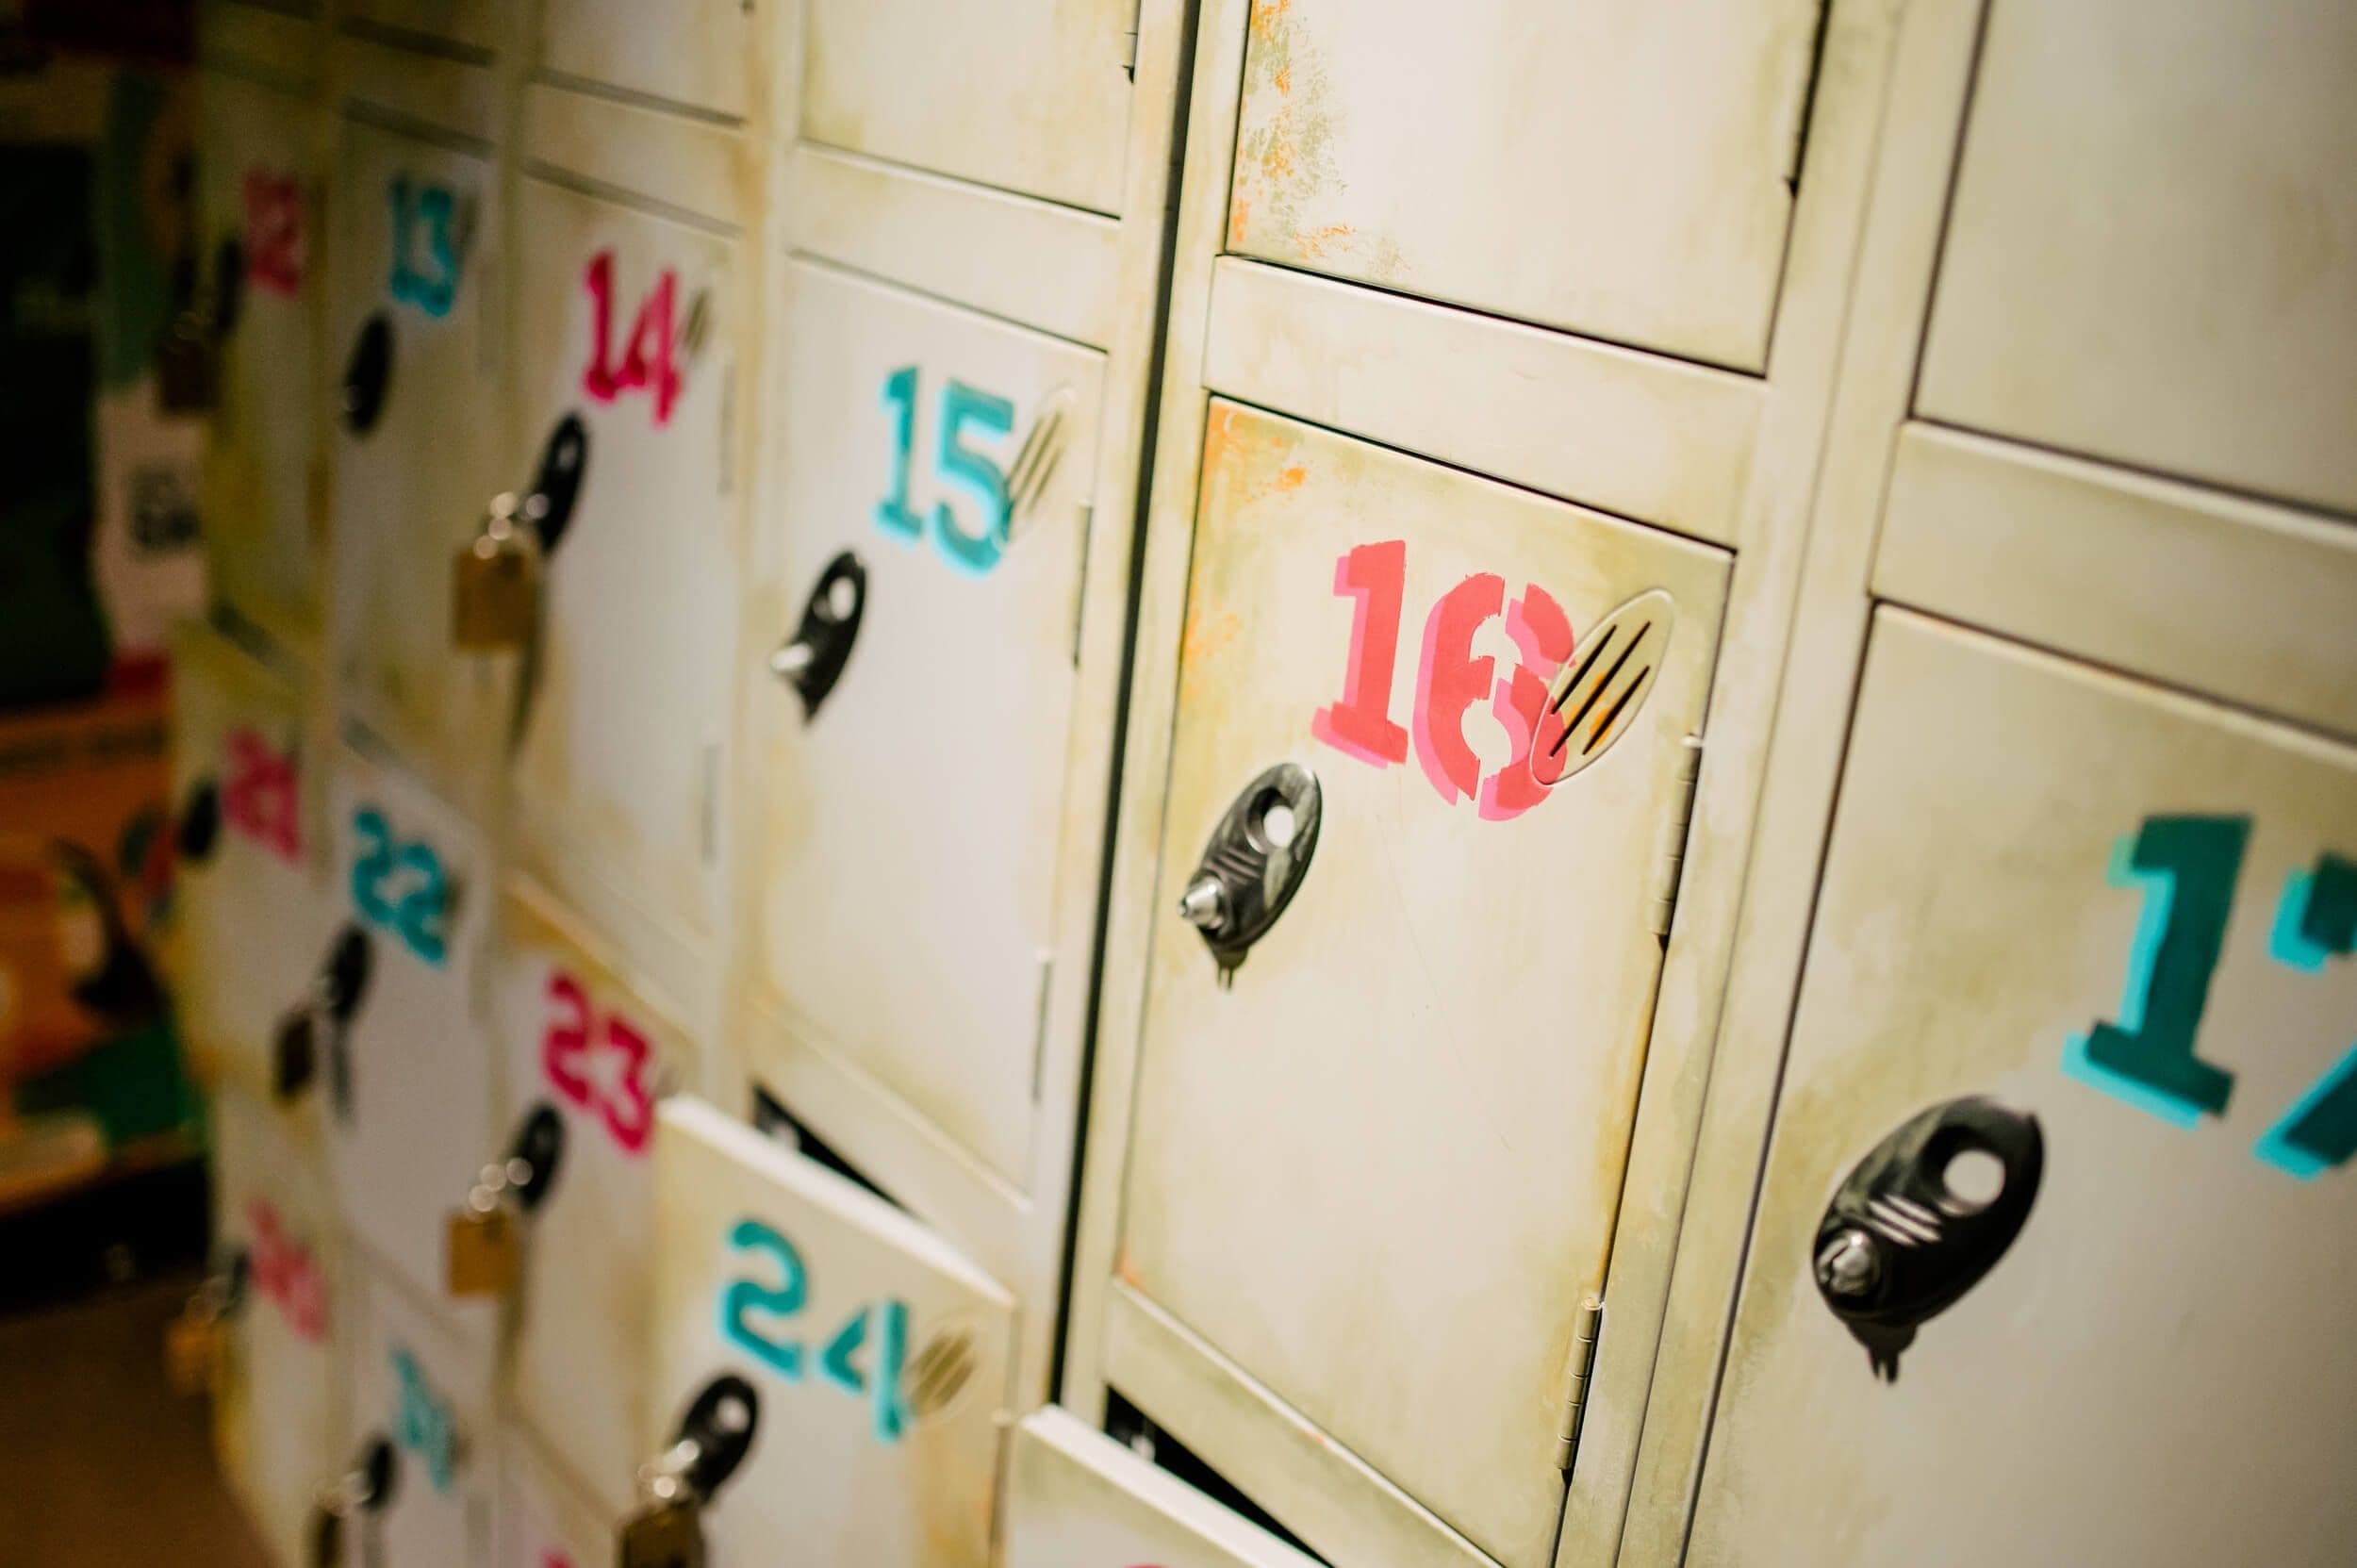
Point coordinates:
[(964, 411)]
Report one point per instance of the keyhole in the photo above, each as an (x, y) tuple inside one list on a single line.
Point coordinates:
[(842, 599), (1277, 825), (1974, 1177)]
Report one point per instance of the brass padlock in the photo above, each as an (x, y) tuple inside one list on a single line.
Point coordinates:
[(495, 581), (196, 1343), (664, 1534), (482, 1252), (712, 1438), (187, 365)]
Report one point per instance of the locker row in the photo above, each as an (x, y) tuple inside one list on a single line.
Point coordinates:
[(1267, 781)]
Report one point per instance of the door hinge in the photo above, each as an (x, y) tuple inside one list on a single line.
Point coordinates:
[(1129, 41), (1080, 578), (1585, 1333), (1671, 868)]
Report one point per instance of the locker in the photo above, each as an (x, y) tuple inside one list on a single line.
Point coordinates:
[(632, 329), (1030, 97), (1078, 1499), (707, 55), (276, 1410), (2120, 912), (421, 1382), (250, 898), (2200, 318), (919, 583), (1617, 167), (577, 1037), (405, 1073), (414, 312), (259, 182), (877, 1356), (542, 1521), (1345, 985)]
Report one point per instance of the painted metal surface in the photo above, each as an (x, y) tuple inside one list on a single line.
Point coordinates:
[(704, 54), (542, 1520), (628, 324), (2200, 318), (418, 1115), (278, 1410), (1615, 167), (880, 1355), (476, 25), (260, 184), (911, 824), (423, 1381), (1032, 96), (1451, 1167), (417, 231), (574, 1035), (248, 912), (1078, 1499), (2121, 911)]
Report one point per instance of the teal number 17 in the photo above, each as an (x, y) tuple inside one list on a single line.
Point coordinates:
[(2186, 869), (963, 410)]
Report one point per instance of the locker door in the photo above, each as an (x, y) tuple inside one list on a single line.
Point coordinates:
[(577, 1038), (1078, 1499), (542, 1521), (250, 901), (706, 54), (413, 325), (2124, 914), (923, 562), (1032, 96), (1433, 1052), (879, 1355), (629, 342), (1620, 167), (2201, 318), (278, 1410), (407, 1079), (258, 185), (422, 1381)]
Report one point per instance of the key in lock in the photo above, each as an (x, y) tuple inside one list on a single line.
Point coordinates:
[(712, 1440), (483, 1246), (495, 581), (196, 1343), (663, 1535)]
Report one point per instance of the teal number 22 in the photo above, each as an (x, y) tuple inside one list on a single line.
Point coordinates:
[(963, 410), (416, 916)]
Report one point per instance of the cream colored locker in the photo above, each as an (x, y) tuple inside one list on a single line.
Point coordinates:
[(414, 329), (542, 1521), (260, 183), (577, 1039), (250, 897), (1441, 1079), (879, 1357), (277, 1407), (418, 1394), (1620, 167), (922, 567), (406, 1074), (1033, 97), (709, 54), (1078, 1499), (2123, 914), (635, 333)]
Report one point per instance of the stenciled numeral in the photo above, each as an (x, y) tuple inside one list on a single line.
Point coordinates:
[(965, 411), (2315, 921), (881, 1331), (627, 1109), (650, 363), (417, 914), (431, 289), (273, 232), (425, 1425), (743, 1297), (260, 796)]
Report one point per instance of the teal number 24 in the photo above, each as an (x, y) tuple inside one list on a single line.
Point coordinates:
[(879, 1382), (963, 410)]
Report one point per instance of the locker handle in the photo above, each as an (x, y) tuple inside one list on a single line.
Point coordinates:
[(1254, 863), (556, 486), (812, 661), (334, 995), (367, 1488), (1899, 1244), (368, 375), (199, 827)]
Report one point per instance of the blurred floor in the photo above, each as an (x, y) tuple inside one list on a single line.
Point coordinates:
[(101, 1465)]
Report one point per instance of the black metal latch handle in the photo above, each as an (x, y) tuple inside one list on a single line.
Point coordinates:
[(368, 375), (1254, 863), (363, 1490), (1899, 1244), (323, 1010), (813, 660)]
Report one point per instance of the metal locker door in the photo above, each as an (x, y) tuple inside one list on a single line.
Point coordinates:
[(919, 580), (1031, 97), (414, 309), (249, 900), (258, 186), (1078, 1499), (629, 343), (706, 54), (403, 1067), (1620, 167), (276, 1410), (542, 1521), (2095, 932), (2201, 318), (578, 1040), (879, 1357), (420, 1382), (1384, 1123)]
